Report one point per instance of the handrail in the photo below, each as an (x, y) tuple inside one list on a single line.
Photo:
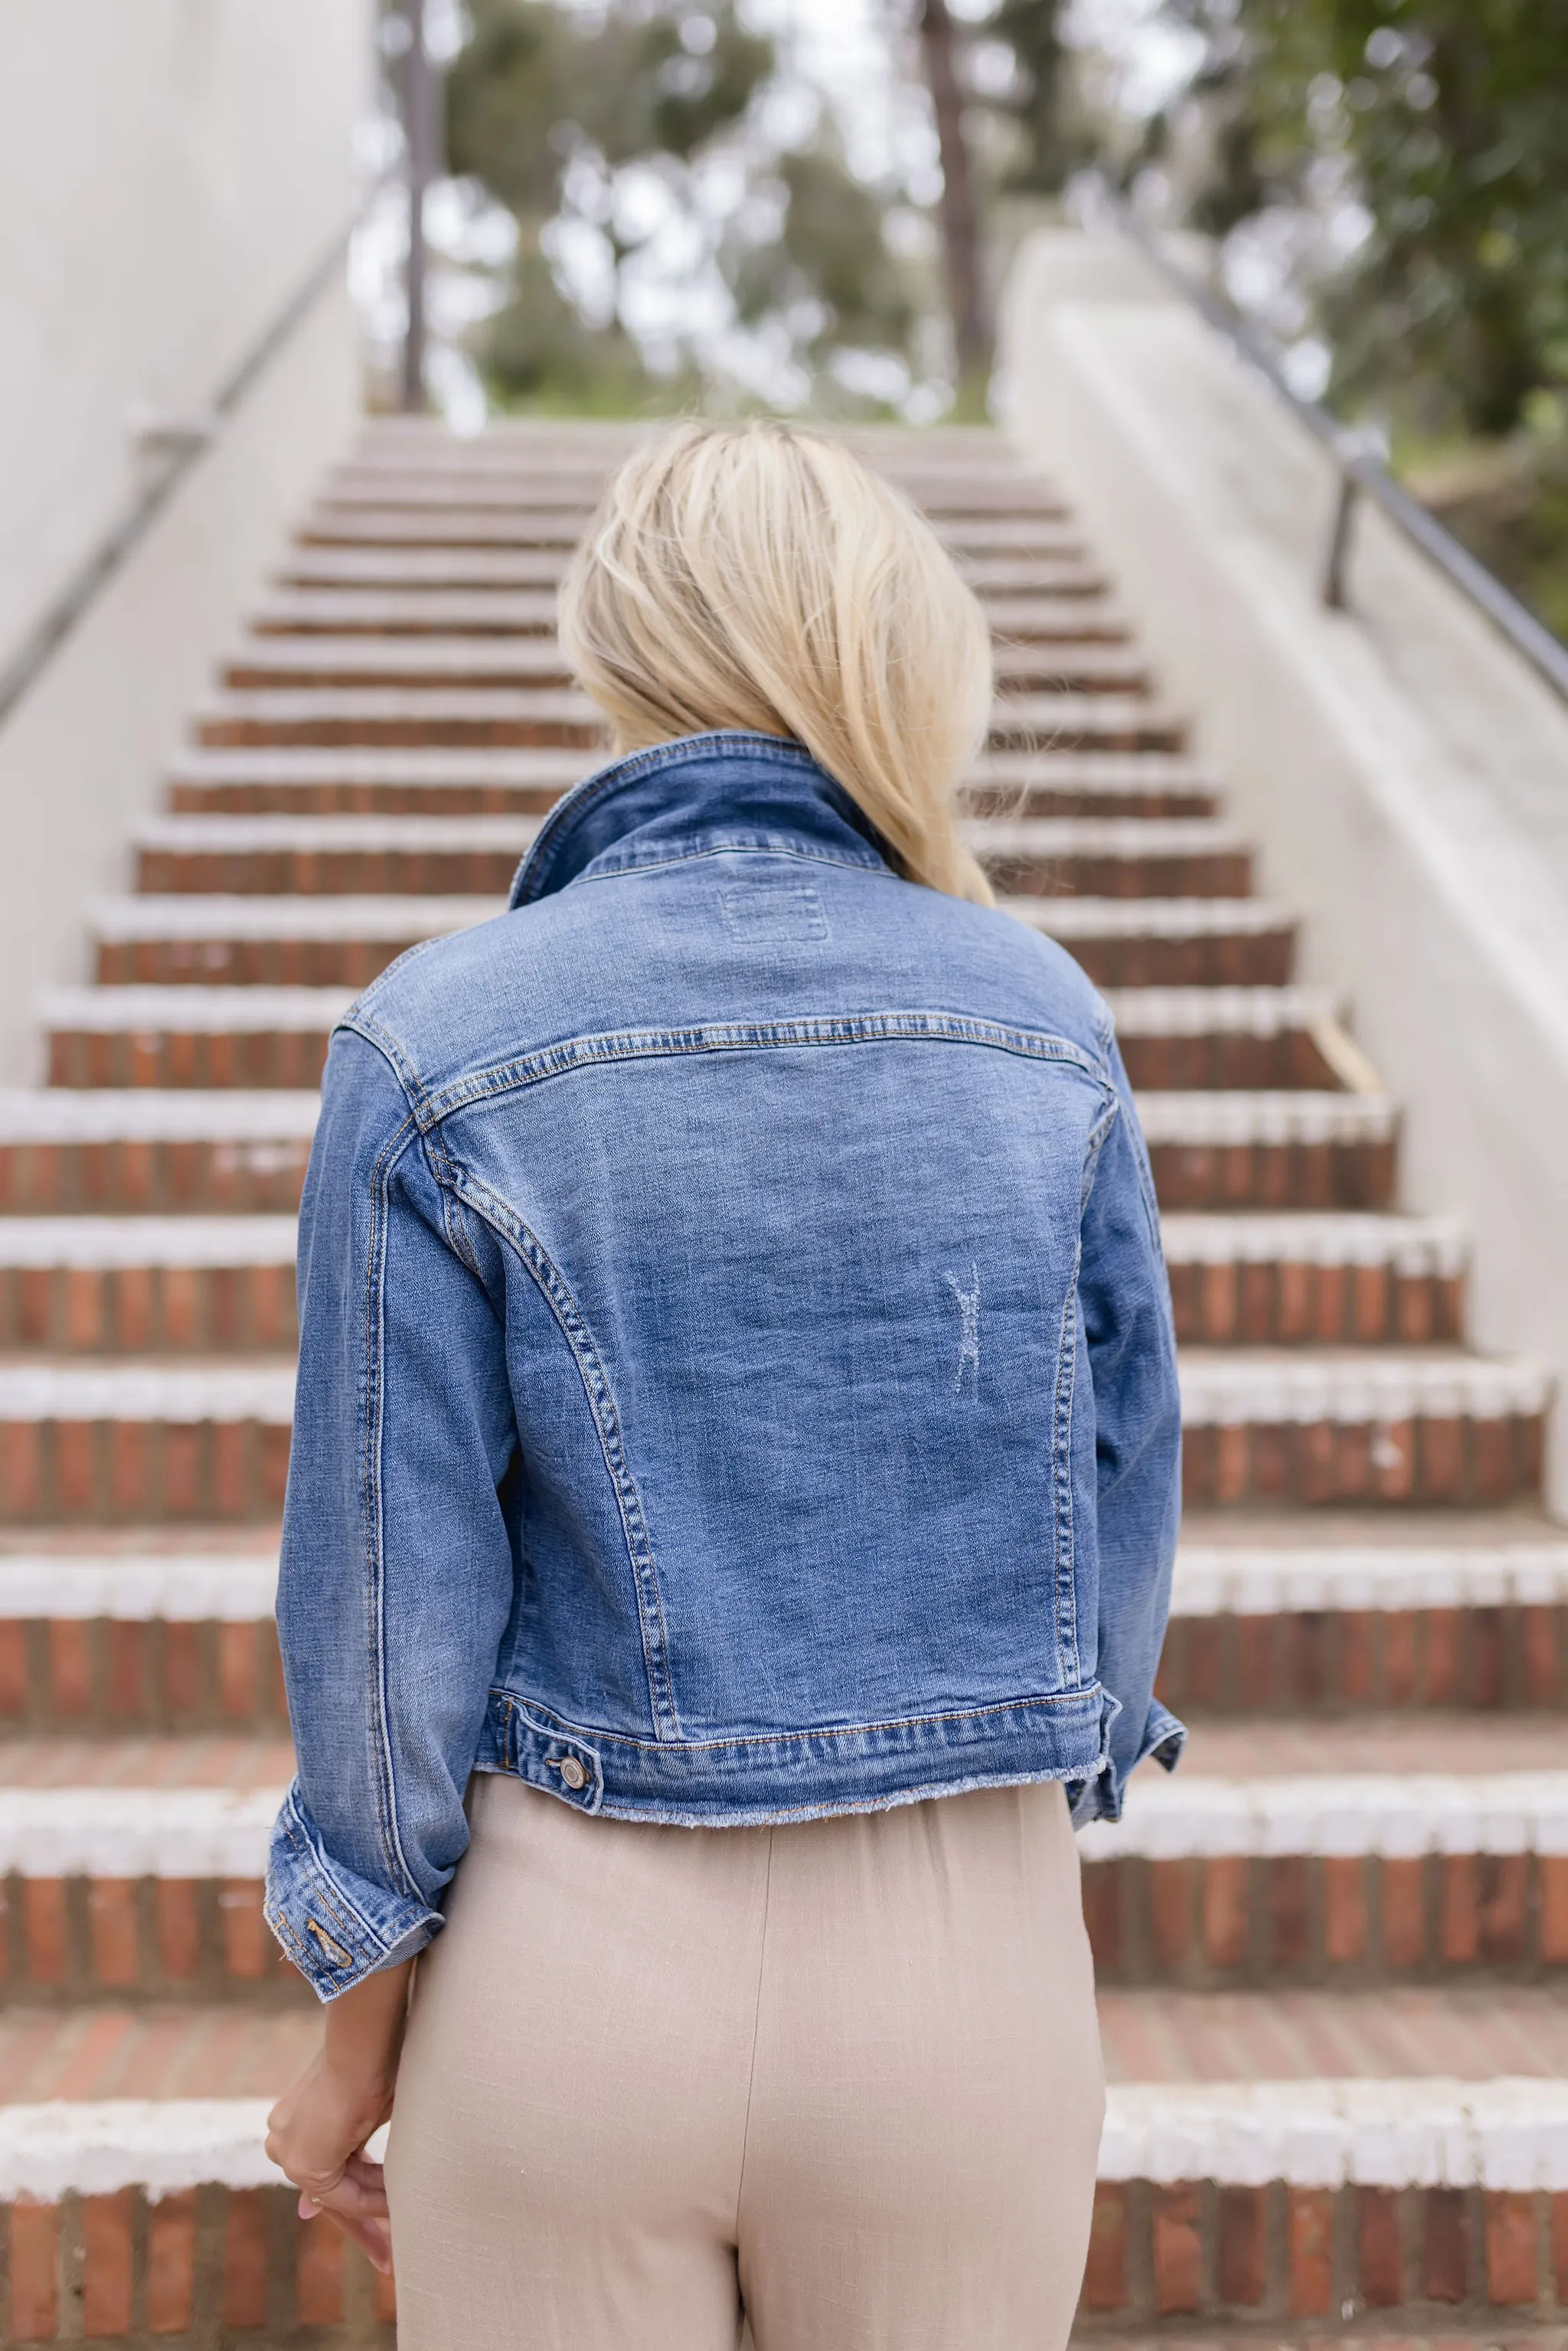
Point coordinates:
[(185, 445), (1360, 474)]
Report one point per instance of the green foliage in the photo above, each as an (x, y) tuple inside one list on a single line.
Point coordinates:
[(551, 107), (1046, 149), (1446, 116)]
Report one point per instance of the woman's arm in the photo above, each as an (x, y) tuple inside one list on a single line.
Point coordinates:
[(1125, 1297), (395, 1580), (316, 2133)]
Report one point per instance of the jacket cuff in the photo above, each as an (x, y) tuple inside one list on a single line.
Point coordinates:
[(1100, 1799), (334, 1925)]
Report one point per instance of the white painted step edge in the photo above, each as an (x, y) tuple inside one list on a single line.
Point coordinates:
[(1149, 919), (1510, 2133), (100, 1243), (184, 915), (181, 1393), (1230, 1389), (139, 1832), (1223, 1580), (172, 1587), (1396, 1816)]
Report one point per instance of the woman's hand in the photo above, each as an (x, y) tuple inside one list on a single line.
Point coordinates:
[(316, 2132)]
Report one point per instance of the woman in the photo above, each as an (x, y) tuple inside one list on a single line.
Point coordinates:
[(733, 1491)]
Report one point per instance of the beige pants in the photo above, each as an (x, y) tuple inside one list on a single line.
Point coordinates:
[(845, 2075)]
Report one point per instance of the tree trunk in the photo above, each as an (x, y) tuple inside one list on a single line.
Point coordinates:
[(960, 221)]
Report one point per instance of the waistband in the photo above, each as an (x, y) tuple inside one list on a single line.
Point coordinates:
[(803, 1775)]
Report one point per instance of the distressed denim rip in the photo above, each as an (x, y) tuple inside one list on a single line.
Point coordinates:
[(736, 1378)]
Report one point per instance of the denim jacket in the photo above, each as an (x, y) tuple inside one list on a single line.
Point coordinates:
[(736, 1376)]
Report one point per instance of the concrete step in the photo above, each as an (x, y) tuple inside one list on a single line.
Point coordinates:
[(133, 1151), (1292, 2207), (1090, 722), (1343, 1614), (508, 569), (371, 782), (251, 1035), (1301, 1150), (407, 613), (1112, 857), (143, 1440), (174, 1636), (359, 856), (142, 1151), (324, 942), (490, 521), (277, 855), (131, 1285), (1268, 1278), (1126, 943), (389, 715), (251, 941), (1333, 1426), (275, 664), (478, 782), (199, 1037)]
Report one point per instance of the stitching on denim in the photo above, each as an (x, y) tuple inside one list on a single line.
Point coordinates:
[(573, 1326), (804, 1031), (741, 845), (375, 1402), (323, 1887), (597, 1737), (1061, 1477)]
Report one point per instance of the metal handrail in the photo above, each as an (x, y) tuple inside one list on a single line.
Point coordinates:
[(1360, 474), (185, 447)]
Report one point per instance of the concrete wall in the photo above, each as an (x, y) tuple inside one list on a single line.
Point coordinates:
[(171, 173), (1406, 774)]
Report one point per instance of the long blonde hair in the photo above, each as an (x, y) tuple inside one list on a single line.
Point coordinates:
[(756, 576)]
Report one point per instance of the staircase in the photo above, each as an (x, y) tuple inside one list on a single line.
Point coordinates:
[(1333, 1949)]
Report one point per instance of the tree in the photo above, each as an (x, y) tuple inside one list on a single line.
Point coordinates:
[(618, 138), (967, 291), (1444, 119)]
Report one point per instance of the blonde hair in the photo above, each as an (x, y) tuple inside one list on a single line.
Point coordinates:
[(756, 576)]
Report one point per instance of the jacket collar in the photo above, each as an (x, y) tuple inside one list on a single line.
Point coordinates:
[(723, 790)]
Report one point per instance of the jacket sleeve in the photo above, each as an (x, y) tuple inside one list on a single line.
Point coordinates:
[(1124, 1300), (395, 1581)]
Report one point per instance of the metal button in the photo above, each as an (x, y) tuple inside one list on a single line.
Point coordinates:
[(572, 1773)]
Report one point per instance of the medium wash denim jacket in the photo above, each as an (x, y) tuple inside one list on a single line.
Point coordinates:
[(736, 1376)]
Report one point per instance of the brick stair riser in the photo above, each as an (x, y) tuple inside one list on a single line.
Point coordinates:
[(1061, 666), (488, 873), (294, 1057), (1460, 1461), (111, 1472), (350, 798), (147, 1309), (1275, 1304), (153, 1178), (1257, 960), (1334, 1662), (68, 1939), (205, 2265), (237, 730), (1179, 873), (1274, 1174), (290, 1057), (1322, 2262), (157, 1674), (239, 1179), (200, 2269), (1229, 1921), (1081, 728)]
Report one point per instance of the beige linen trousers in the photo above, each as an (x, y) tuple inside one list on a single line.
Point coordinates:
[(838, 2079)]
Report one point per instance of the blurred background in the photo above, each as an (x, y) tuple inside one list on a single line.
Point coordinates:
[(812, 204)]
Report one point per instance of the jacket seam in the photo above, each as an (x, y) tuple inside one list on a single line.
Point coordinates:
[(810, 1031), (871, 863), (573, 1323)]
